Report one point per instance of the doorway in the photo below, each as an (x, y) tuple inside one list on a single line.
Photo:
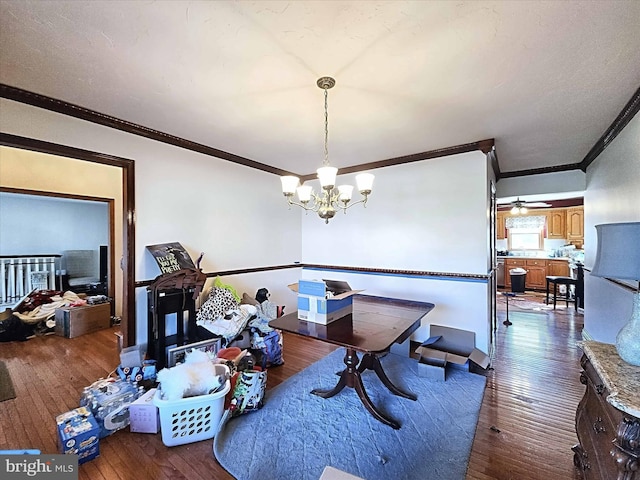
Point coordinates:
[(65, 225), (125, 216)]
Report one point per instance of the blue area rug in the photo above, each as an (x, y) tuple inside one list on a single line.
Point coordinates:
[(296, 434)]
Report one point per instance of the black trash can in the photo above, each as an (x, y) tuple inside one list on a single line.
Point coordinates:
[(518, 277)]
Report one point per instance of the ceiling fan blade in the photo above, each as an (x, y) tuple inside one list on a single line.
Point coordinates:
[(536, 204)]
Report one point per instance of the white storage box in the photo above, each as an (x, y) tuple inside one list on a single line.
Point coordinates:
[(192, 419), (143, 414)]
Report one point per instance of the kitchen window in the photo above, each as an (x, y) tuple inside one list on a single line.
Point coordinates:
[(525, 239), (526, 232)]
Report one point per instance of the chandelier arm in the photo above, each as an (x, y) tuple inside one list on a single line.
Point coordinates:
[(344, 207), (312, 208)]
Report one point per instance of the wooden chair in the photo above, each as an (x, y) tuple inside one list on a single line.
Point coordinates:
[(557, 280)]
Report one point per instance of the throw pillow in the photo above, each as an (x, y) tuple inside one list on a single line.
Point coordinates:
[(220, 301)]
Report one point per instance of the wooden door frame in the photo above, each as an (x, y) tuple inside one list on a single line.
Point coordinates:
[(128, 323)]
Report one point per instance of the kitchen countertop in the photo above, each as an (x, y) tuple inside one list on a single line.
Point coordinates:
[(519, 257)]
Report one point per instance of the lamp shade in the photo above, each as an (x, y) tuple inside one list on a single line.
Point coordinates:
[(304, 193), (346, 192), (365, 182), (327, 176), (289, 184), (618, 251)]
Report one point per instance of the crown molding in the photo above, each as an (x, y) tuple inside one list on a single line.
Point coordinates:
[(76, 111), (624, 117), (484, 146)]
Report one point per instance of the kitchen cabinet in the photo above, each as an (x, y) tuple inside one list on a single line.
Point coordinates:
[(558, 268), (501, 232), (561, 223), (556, 222), (536, 274), (537, 271), (609, 433), (575, 225)]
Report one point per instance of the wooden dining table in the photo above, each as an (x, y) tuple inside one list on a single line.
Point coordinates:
[(375, 324)]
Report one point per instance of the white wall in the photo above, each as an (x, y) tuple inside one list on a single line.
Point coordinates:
[(612, 195), (235, 214), (32, 224), (557, 182), (428, 215), (459, 303), (424, 216)]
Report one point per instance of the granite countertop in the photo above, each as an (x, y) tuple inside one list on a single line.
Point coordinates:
[(621, 379)]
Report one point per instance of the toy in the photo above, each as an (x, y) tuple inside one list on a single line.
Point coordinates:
[(196, 376)]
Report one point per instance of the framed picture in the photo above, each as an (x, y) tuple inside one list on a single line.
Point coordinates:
[(178, 354)]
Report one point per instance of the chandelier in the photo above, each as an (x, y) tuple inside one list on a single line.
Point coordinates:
[(331, 198)]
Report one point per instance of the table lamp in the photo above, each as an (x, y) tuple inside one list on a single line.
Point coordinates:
[(618, 256)]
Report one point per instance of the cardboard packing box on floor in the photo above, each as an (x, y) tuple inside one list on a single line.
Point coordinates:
[(323, 301), (448, 346), (78, 433), (75, 321)]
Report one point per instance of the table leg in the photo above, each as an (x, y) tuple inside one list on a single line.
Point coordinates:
[(370, 406), (350, 377), (372, 362), (547, 300)]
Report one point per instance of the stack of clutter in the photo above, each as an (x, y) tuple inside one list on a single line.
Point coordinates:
[(186, 403), (231, 382), (104, 407)]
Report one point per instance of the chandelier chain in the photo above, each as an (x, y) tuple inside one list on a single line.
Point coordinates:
[(326, 127)]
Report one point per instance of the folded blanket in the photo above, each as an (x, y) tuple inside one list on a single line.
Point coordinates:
[(48, 310), (231, 324)]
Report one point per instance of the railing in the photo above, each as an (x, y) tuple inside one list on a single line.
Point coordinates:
[(22, 274)]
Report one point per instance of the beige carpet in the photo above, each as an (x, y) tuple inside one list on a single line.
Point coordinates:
[(6, 385)]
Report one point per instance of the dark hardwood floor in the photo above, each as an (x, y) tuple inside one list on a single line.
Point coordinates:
[(525, 430)]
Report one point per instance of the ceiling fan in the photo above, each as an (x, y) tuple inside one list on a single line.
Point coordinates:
[(520, 206)]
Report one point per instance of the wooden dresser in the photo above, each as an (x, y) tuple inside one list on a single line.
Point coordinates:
[(608, 416)]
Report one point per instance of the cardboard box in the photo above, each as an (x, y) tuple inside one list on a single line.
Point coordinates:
[(323, 301), (75, 321), (78, 433), (143, 414), (449, 347)]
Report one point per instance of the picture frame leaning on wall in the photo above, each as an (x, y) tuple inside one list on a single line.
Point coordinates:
[(177, 354)]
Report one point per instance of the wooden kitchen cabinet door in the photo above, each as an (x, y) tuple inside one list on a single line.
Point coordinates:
[(556, 221), (575, 223), (500, 226), (558, 268), (536, 274)]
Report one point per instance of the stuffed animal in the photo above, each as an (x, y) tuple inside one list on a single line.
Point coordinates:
[(196, 376)]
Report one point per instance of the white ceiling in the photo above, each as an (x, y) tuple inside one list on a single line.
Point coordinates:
[(545, 79)]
